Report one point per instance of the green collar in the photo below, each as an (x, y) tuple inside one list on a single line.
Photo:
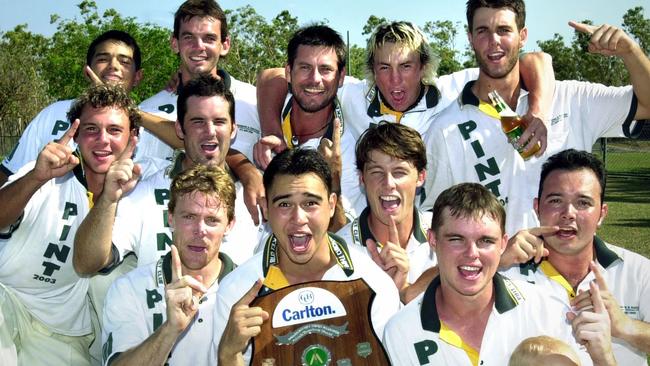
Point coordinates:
[(419, 232), (605, 256), (507, 296), (430, 93), (337, 246), (227, 266), (467, 95)]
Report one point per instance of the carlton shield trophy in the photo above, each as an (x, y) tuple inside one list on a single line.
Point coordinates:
[(316, 324)]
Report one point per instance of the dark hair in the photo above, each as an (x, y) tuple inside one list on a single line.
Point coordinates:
[(115, 36), (106, 96), (517, 6), (298, 162), (203, 86), (468, 200), (200, 8), (317, 35), (572, 160), (395, 140), (209, 180)]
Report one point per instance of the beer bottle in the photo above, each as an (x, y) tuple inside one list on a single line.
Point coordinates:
[(512, 125)]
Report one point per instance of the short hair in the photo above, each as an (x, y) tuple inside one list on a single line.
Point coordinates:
[(468, 200), (517, 6), (395, 140), (209, 180), (200, 8), (115, 36), (572, 160), (106, 96), (296, 162), (203, 86), (530, 350), (317, 35), (408, 36)]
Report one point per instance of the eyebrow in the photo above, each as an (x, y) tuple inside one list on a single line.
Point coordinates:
[(306, 194)]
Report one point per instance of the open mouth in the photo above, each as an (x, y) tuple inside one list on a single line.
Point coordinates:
[(101, 154), (299, 243), (390, 202), (469, 272), (398, 96), (314, 91), (496, 56), (209, 147), (566, 233)]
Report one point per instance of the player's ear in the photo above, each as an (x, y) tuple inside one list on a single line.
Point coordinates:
[(603, 213)]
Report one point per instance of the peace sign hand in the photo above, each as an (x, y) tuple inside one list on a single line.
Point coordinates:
[(56, 159), (393, 259), (182, 295)]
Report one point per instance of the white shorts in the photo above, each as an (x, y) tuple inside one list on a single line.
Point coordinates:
[(24, 340)]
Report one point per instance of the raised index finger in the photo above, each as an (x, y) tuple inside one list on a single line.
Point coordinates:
[(596, 300), (251, 294), (600, 280), (177, 269), (583, 28), (538, 231), (69, 134), (130, 148), (94, 79), (336, 135), (393, 236)]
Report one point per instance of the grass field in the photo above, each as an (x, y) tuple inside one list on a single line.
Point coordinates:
[(628, 196)]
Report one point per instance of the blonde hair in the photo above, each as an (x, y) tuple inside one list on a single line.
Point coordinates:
[(209, 180), (410, 38), (535, 350)]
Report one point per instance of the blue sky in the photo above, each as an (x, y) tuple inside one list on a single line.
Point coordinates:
[(545, 17)]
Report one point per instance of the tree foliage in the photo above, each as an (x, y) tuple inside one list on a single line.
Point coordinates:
[(37, 69), (574, 62), (256, 44)]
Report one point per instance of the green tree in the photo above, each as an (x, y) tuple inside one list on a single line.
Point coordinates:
[(563, 58), (637, 25), (23, 91), (442, 37), (256, 44), (357, 58), (66, 56), (372, 23), (574, 62)]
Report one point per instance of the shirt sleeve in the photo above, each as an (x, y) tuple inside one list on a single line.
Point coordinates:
[(452, 85), (47, 126)]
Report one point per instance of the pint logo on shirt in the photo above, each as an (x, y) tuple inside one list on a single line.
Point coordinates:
[(487, 170), (425, 349), (306, 305), (57, 254)]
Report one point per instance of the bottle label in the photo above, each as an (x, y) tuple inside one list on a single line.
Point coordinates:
[(513, 135)]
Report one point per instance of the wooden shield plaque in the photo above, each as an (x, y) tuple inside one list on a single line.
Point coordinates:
[(316, 324)]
